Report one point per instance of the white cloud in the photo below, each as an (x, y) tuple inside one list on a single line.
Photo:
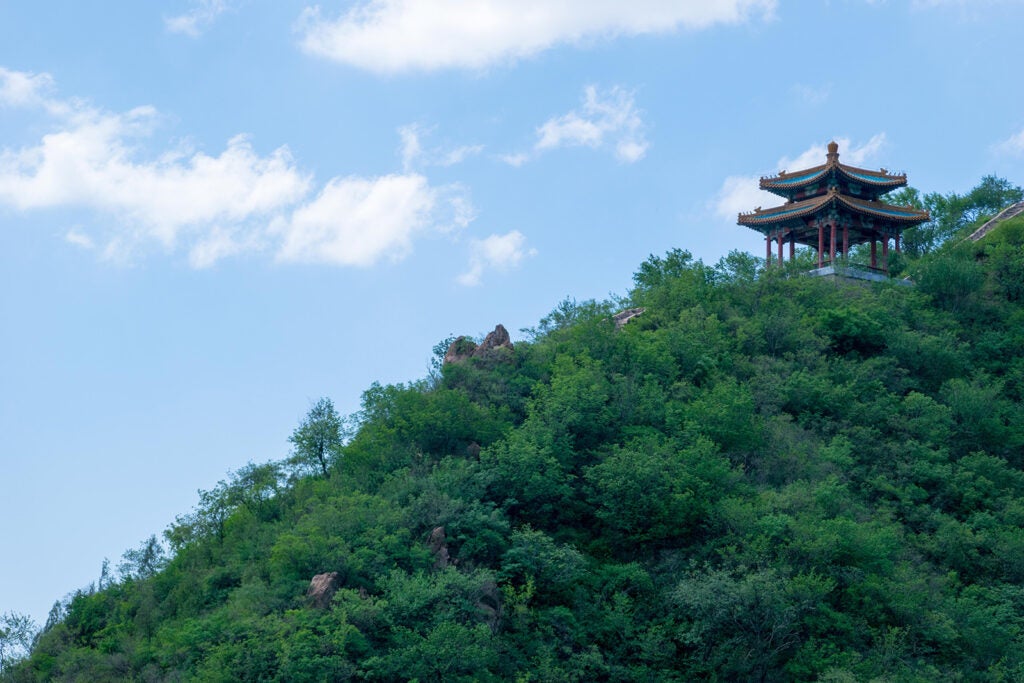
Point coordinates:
[(739, 194), (742, 193), (198, 19), (608, 118), (1013, 145), (415, 155), (390, 36), (22, 89), (79, 239), (92, 161), (212, 206), (496, 252), (359, 221), (411, 147)]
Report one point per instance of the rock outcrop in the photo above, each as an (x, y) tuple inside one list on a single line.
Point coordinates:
[(493, 345), (322, 588), (438, 545), (498, 339), (459, 350)]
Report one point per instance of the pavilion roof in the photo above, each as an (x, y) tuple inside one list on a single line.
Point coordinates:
[(905, 215), (786, 183)]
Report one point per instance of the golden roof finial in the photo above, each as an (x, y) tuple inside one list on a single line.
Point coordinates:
[(833, 151)]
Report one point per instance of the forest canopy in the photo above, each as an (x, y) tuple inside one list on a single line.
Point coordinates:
[(765, 476)]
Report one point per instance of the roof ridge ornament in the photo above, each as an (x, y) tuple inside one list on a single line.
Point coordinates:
[(833, 153)]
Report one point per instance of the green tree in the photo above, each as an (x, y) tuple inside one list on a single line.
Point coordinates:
[(144, 561), (951, 213), (16, 634), (317, 439)]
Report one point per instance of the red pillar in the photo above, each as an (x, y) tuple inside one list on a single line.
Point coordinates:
[(897, 243), (792, 244), (874, 252), (780, 247), (885, 254), (832, 247), (821, 245), (767, 250), (846, 241)]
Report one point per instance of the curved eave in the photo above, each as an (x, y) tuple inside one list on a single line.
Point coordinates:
[(876, 178), (785, 183), (905, 215), (782, 214)]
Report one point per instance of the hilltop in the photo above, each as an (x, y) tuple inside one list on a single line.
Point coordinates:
[(763, 476)]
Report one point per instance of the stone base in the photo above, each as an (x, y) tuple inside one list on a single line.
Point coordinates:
[(855, 273)]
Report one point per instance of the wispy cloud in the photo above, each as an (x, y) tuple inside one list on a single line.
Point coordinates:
[(211, 205), (390, 36), (1011, 146), (79, 239), (415, 155), (811, 94), (608, 119), (498, 253), (197, 19), (742, 193)]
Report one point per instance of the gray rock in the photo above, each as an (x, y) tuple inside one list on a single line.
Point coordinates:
[(322, 588)]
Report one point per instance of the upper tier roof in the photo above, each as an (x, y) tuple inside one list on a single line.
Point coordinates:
[(904, 215), (787, 184)]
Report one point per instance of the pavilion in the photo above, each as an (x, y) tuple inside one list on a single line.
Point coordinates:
[(831, 208)]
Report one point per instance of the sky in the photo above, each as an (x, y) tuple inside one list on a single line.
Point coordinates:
[(215, 212)]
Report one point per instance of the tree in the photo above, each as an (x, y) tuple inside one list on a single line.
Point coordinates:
[(953, 212), (16, 634), (318, 438), (144, 561)]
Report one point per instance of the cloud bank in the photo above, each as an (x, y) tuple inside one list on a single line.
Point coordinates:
[(211, 205), (392, 36)]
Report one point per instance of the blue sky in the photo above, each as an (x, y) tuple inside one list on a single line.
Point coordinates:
[(214, 212)]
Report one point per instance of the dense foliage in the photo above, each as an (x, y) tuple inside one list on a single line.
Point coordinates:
[(764, 477)]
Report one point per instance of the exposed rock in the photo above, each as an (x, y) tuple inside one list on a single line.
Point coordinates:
[(322, 588), (623, 317), (498, 339), (473, 450), (438, 545), (492, 346), (460, 350)]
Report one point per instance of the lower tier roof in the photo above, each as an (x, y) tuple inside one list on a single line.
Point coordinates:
[(871, 215)]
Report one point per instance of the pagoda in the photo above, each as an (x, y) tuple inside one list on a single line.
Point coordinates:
[(831, 208)]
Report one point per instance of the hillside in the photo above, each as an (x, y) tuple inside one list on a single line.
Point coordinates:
[(763, 477)]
